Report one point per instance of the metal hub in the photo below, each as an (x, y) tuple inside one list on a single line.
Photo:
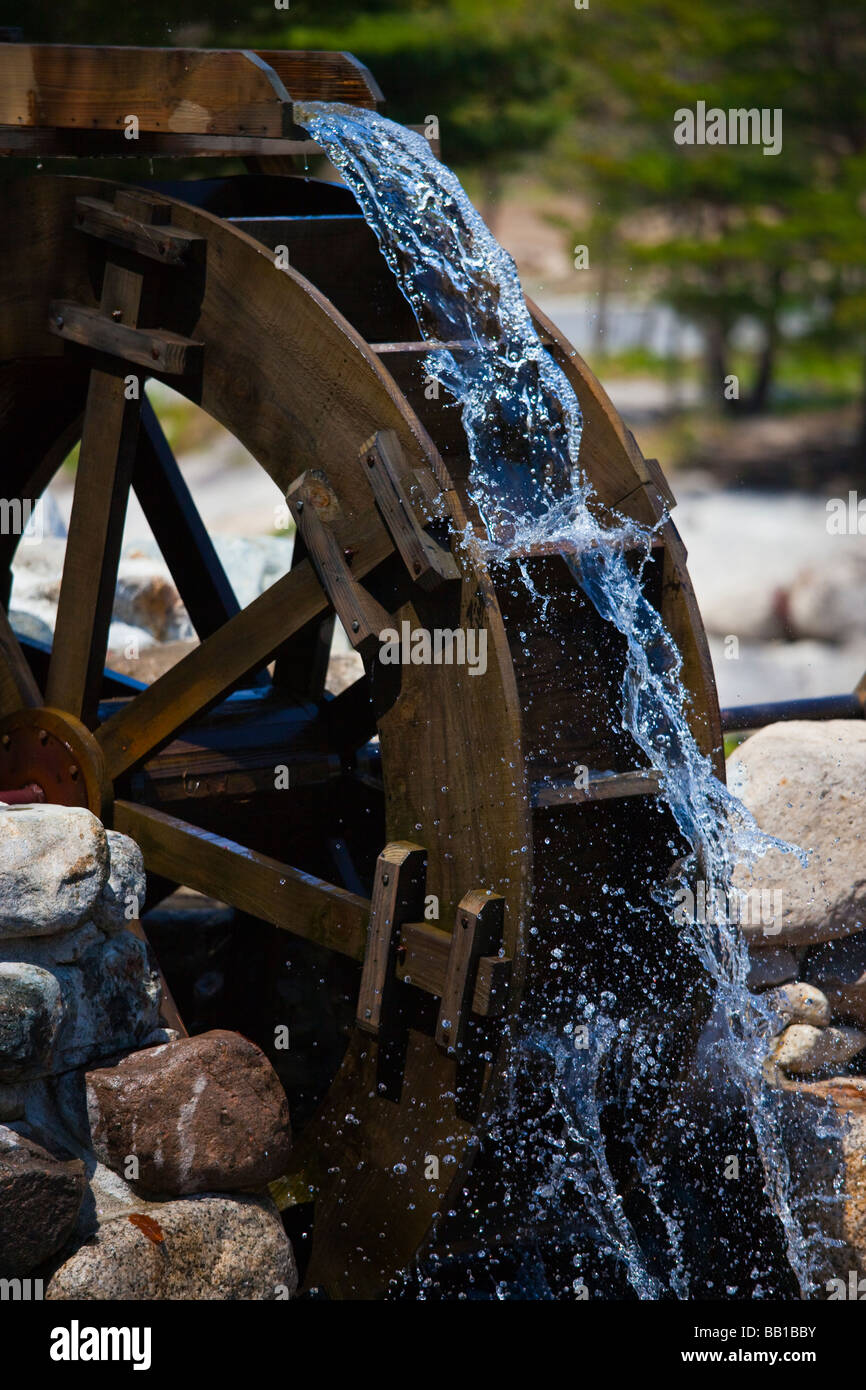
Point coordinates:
[(46, 755)]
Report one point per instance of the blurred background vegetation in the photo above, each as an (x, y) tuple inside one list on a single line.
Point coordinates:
[(560, 121)]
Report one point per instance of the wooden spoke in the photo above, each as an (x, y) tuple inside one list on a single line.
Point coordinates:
[(179, 530), (242, 645), (301, 666), (96, 528), (254, 883), (17, 685)]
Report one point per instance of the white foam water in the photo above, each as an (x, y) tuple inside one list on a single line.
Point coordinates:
[(523, 426)]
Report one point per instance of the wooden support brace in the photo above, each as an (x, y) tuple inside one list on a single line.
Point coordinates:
[(398, 894), (314, 507), (157, 240), (429, 563), (155, 349), (424, 953), (477, 933)]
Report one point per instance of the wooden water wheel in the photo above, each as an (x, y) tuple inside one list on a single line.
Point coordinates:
[(414, 862)]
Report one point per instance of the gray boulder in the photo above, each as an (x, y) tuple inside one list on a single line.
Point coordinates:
[(122, 898), (31, 1012), (806, 783), (53, 868)]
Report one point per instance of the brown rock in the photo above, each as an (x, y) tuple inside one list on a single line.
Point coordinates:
[(205, 1114), (40, 1196)]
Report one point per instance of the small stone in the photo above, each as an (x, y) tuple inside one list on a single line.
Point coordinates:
[(802, 1049), (206, 1247), (53, 867), (40, 1196), (770, 966), (800, 1003), (31, 1011), (122, 899), (201, 1114), (839, 969)]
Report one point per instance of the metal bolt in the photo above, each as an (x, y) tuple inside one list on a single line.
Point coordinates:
[(117, 314), (59, 320), (300, 505), (6, 740), (154, 352), (464, 921), (355, 625), (73, 773), (43, 736), (385, 879)]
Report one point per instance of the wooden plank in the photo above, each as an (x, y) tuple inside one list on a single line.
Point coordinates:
[(314, 75), (243, 644), (398, 894), (423, 961), (301, 664), (429, 564), (477, 932), (92, 556), (277, 893), (563, 792), (90, 144), (18, 689), (315, 505), (168, 245), (169, 90), (156, 349)]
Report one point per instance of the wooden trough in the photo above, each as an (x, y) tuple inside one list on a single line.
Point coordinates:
[(417, 879)]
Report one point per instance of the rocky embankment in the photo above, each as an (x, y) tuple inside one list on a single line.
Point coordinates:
[(806, 784), (134, 1162)]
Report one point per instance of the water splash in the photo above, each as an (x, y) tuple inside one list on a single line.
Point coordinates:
[(523, 427)]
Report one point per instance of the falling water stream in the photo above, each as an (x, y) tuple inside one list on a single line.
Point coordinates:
[(523, 426)]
